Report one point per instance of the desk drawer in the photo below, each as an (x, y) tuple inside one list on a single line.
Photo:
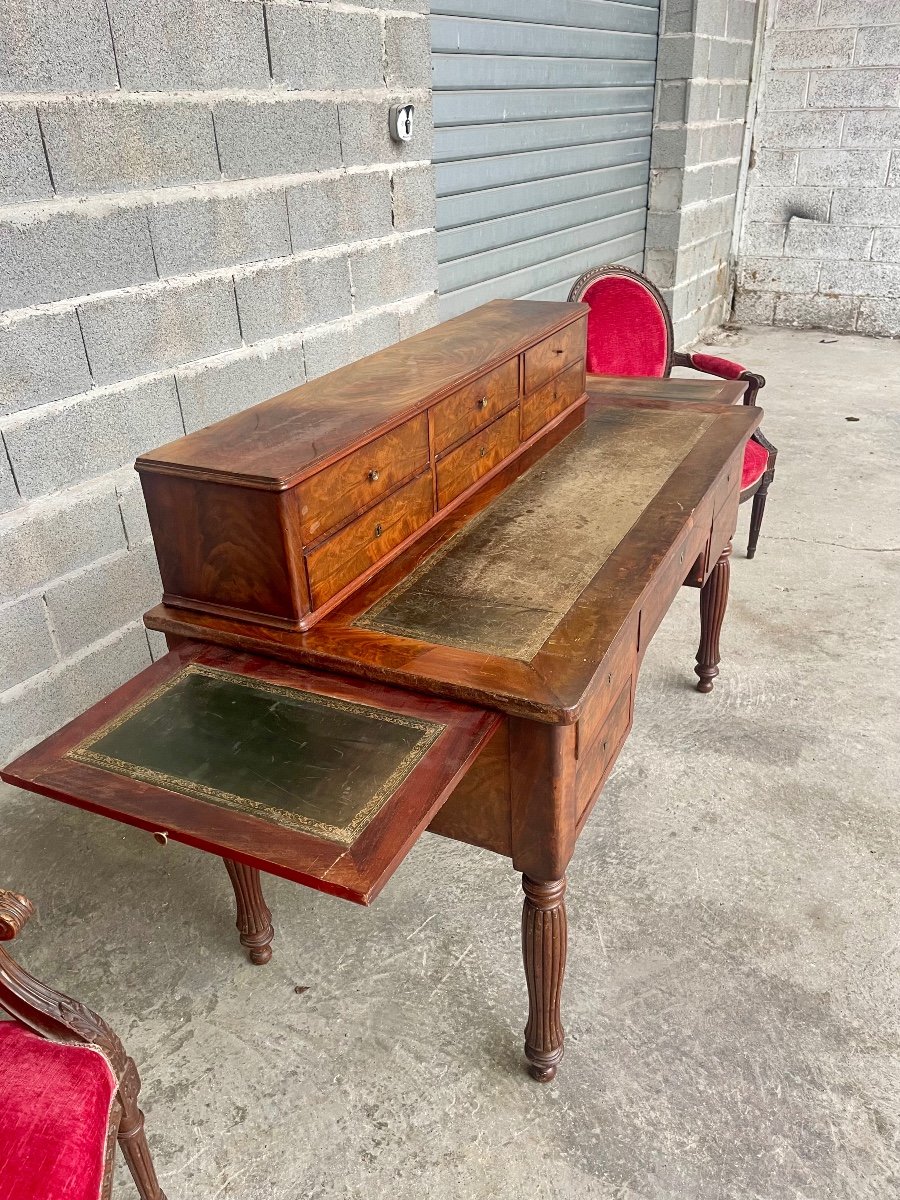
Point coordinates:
[(550, 400), (362, 543), (474, 406), (548, 358), (359, 479), (594, 765), (672, 573), (467, 463), (616, 670)]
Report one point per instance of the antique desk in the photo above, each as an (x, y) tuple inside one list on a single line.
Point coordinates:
[(413, 594)]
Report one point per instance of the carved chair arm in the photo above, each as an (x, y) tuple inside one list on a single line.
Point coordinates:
[(722, 368), (49, 1013)]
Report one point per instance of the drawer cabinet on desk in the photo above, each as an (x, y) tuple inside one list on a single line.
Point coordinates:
[(278, 513)]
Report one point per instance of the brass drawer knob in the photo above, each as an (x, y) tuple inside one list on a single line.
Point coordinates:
[(482, 403), (161, 836), (373, 475), (482, 450), (558, 350), (379, 530)]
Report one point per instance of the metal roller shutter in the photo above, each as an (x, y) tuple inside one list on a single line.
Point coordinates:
[(543, 113)]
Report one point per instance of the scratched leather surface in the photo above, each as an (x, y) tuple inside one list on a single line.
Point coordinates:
[(502, 584), (310, 763)]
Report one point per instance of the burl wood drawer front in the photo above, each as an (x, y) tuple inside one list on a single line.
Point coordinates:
[(552, 399), (362, 543), (358, 480), (548, 358), (465, 465), (594, 765), (474, 406)]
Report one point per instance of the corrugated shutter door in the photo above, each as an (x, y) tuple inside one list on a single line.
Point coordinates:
[(543, 113)]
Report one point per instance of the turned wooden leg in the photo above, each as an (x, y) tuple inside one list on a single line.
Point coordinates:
[(713, 602), (133, 1140), (254, 921), (757, 512), (544, 939)]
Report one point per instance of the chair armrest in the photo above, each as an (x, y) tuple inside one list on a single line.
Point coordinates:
[(722, 368), (15, 913)]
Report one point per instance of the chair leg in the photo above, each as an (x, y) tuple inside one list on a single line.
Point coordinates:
[(133, 1140), (757, 512)]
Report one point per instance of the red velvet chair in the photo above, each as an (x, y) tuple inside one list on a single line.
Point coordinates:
[(630, 333), (68, 1090)]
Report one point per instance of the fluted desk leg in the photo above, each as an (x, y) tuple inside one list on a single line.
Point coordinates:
[(544, 940), (713, 602), (254, 921)]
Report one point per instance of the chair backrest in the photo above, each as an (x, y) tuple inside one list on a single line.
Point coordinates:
[(629, 327)]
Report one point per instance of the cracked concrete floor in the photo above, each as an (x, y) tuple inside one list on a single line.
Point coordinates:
[(732, 995)]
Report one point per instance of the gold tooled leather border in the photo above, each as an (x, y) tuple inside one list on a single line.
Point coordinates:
[(344, 835)]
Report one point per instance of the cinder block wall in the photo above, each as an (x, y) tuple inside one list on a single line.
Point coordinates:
[(705, 59), (821, 240), (200, 206)]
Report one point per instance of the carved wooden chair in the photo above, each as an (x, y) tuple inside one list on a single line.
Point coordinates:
[(630, 333), (68, 1090)]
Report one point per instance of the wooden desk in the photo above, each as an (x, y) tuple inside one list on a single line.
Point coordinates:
[(525, 612)]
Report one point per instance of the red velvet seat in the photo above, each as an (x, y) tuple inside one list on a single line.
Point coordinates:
[(54, 1114), (630, 333)]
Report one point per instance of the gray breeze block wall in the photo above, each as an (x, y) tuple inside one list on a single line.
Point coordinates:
[(200, 207), (705, 60), (820, 244)]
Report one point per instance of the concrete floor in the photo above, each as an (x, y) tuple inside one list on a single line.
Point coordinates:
[(732, 996)]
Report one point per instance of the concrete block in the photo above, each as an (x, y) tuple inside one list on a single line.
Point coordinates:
[(753, 308), (418, 314), (659, 266), (157, 643), (167, 45), (893, 179), (31, 711), (879, 318), (696, 184), (287, 296), (796, 14), (860, 12), (774, 168), (817, 312), (878, 47), (219, 230), (276, 136), (42, 358), (324, 49), (779, 204), (219, 387), (741, 20), (724, 59), (132, 507), (333, 346), (9, 493), (347, 208), (762, 239), (25, 643), (365, 138), (872, 279), (671, 101), (886, 246), (407, 52), (413, 196), (725, 178), (784, 90), (812, 239), (39, 542), (23, 164), (777, 275), (95, 602), (847, 168), (678, 16), (668, 148), (871, 129), (710, 17), (393, 270), (138, 332), (733, 99), (663, 229), (798, 131), (72, 254), (114, 145), (870, 207), (676, 56), (666, 188), (81, 439), (56, 46), (870, 87), (792, 48), (721, 141)]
